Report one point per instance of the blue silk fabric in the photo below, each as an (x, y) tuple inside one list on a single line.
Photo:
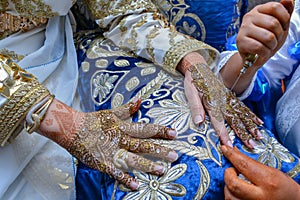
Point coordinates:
[(109, 78), (210, 21)]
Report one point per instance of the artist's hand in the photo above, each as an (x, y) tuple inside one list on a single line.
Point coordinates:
[(264, 30), (104, 141), (265, 182), (220, 104)]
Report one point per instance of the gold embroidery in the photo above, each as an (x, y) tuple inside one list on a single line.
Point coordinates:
[(150, 50), (36, 8), (173, 56), (21, 90), (295, 171), (101, 9), (159, 187), (10, 24), (15, 57)]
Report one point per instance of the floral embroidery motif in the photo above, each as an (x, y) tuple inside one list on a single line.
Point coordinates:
[(154, 187), (103, 84), (271, 152), (174, 113)]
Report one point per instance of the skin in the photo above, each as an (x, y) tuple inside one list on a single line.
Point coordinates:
[(206, 98), (263, 31), (265, 182), (96, 137)]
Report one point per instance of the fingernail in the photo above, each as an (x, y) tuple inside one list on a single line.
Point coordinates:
[(229, 143), (136, 99), (259, 135), (198, 119), (261, 122), (160, 169), (224, 148), (134, 185), (252, 143), (172, 156), (172, 133)]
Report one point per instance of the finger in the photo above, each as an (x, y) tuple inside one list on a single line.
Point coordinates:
[(193, 99), (277, 10), (228, 195), (233, 114), (121, 176), (145, 130), (140, 163), (288, 4), (267, 30), (250, 168), (126, 110), (238, 187), (248, 118), (251, 114), (128, 161), (220, 128), (253, 46), (147, 147), (238, 127)]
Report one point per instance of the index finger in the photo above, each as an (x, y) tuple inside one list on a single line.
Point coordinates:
[(254, 171)]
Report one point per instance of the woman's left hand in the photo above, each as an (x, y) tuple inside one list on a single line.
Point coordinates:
[(205, 91)]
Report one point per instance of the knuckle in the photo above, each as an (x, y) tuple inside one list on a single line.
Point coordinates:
[(270, 37), (275, 6), (233, 186), (273, 24), (258, 47)]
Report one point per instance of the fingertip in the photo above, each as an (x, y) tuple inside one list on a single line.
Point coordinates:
[(198, 119), (172, 133), (172, 156), (252, 143), (229, 143), (136, 103), (223, 148), (134, 185), (160, 169)]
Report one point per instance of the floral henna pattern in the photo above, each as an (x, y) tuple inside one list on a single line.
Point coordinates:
[(213, 91), (222, 103), (104, 142)]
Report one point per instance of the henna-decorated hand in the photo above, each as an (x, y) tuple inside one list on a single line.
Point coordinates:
[(221, 104), (104, 141)]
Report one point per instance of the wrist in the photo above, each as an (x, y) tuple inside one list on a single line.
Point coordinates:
[(189, 60), (61, 123)]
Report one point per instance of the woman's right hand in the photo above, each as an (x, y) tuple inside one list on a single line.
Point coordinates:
[(264, 30), (104, 141)]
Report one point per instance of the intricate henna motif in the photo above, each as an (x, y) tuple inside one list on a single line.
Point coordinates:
[(104, 142), (222, 103)]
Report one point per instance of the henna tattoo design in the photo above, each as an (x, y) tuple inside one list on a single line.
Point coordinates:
[(222, 103), (104, 142)]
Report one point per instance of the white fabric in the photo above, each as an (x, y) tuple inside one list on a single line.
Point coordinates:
[(288, 107), (277, 68), (33, 167), (224, 57)]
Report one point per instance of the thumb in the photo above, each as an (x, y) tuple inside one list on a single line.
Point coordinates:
[(288, 4)]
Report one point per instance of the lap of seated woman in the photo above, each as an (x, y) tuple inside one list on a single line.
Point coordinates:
[(109, 78)]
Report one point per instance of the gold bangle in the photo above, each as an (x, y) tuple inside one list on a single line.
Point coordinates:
[(37, 113), (13, 113), (19, 91)]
